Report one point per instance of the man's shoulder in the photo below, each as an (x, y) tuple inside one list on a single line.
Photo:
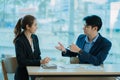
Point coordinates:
[(105, 40), (81, 36)]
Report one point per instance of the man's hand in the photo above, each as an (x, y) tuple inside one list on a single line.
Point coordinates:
[(60, 47), (74, 48)]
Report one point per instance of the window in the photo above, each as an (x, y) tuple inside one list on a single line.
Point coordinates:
[(59, 21)]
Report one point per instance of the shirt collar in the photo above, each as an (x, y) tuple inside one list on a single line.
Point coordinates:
[(86, 39)]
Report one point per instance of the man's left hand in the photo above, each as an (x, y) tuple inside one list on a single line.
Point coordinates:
[(74, 48)]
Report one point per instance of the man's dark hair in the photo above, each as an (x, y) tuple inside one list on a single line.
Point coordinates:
[(93, 21)]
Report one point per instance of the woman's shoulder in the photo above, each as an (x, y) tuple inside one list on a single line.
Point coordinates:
[(20, 38), (34, 36)]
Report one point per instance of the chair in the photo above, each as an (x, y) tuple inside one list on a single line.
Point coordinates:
[(8, 66), (74, 60)]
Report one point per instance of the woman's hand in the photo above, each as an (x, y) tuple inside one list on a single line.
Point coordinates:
[(45, 60)]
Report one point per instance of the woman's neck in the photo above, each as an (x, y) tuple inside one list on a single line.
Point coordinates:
[(27, 34)]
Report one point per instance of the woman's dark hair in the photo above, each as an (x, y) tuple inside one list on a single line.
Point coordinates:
[(21, 24), (93, 20)]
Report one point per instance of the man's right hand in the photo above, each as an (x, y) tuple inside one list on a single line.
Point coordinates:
[(60, 47)]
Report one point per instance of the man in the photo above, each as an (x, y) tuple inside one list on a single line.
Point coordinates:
[(90, 47)]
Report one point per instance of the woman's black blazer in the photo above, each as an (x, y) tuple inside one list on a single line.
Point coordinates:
[(25, 56)]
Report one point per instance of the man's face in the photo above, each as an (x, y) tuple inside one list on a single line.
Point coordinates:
[(88, 29)]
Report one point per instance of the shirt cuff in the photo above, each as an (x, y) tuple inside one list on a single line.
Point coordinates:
[(80, 52)]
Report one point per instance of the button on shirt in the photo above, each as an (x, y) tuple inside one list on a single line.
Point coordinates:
[(88, 44)]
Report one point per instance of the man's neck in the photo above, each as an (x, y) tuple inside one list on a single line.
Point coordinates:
[(91, 37)]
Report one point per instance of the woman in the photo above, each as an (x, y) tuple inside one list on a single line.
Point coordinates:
[(27, 46)]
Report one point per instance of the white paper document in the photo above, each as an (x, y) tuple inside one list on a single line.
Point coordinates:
[(86, 67), (91, 67), (69, 66)]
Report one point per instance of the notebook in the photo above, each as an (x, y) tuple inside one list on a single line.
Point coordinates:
[(49, 66)]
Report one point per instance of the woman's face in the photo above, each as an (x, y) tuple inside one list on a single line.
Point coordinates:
[(33, 28)]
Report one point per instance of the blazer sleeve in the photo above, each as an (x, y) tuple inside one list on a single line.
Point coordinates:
[(99, 57), (21, 56), (69, 53)]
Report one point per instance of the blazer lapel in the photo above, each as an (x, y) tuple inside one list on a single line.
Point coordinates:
[(83, 43), (27, 44), (96, 44), (34, 43)]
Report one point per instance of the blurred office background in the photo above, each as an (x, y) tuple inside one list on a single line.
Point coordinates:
[(59, 21)]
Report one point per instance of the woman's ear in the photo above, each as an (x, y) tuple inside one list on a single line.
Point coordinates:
[(27, 27)]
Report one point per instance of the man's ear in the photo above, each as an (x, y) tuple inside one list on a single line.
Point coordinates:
[(96, 28)]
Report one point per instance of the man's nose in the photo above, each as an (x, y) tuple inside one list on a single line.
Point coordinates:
[(84, 28)]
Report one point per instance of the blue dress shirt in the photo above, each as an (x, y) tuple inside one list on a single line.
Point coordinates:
[(89, 44)]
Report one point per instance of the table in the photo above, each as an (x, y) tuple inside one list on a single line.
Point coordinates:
[(77, 70)]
